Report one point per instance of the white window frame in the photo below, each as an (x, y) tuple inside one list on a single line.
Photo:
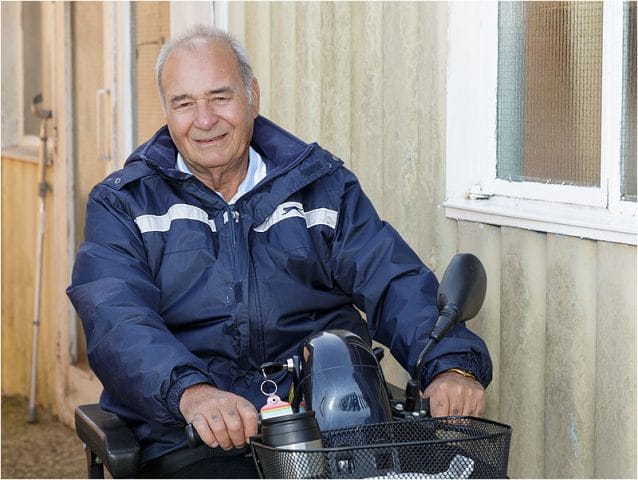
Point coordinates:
[(473, 192), (15, 141), (118, 114)]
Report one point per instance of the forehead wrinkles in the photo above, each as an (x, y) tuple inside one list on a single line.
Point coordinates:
[(216, 59)]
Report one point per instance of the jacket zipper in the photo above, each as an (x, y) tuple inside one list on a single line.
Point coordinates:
[(233, 217), (254, 300)]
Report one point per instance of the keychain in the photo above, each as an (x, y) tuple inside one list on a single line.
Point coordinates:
[(275, 406)]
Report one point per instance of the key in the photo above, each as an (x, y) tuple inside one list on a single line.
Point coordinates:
[(272, 367)]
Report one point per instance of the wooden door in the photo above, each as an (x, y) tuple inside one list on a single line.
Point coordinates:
[(114, 106)]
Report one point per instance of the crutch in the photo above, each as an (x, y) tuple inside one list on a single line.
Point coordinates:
[(43, 115)]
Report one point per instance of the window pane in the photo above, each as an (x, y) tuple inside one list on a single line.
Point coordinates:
[(549, 92), (628, 139), (32, 58)]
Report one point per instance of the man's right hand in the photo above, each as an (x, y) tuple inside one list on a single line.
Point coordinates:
[(222, 419)]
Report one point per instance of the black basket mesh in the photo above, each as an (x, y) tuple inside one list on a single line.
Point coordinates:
[(451, 447)]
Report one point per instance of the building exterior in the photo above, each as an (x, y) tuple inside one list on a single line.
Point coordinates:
[(413, 97)]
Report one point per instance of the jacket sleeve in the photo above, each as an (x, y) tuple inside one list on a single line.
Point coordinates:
[(140, 363), (397, 292)]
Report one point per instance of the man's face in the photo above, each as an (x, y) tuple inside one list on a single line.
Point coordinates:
[(207, 109)]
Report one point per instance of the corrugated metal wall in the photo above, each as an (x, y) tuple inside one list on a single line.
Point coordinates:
[(368, 81)]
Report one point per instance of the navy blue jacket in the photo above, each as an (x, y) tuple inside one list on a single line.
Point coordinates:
[(176, 287)]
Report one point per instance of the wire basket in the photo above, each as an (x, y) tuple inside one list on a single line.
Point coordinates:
[(448, 447)]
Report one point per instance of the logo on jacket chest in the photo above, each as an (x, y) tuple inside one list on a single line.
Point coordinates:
[(288, 210)]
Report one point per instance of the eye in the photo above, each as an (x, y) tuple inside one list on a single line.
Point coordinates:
[(183, 106), (220, 100)]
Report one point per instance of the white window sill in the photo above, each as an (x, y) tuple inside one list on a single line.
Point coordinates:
[(563, 219)]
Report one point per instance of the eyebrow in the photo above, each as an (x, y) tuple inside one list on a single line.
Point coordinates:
[(216, 91)]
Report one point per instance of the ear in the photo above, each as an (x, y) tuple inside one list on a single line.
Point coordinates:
[(255, 104)]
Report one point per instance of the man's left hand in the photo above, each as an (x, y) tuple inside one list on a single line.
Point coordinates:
[(451, 393)]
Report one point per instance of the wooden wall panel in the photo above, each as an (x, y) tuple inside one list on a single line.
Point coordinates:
[(70, 391), (88, 78), (20, 215), (151, 31)]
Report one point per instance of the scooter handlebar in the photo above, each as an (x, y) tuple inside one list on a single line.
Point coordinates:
[(192, 437), (194, 440)]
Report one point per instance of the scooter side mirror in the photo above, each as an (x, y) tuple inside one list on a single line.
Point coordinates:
[(459, 297), (463, 286)]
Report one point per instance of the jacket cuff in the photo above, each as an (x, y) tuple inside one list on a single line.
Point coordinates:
[(468, 363), (177, 388)]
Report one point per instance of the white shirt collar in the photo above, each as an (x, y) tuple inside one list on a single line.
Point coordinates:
[(255, 174)]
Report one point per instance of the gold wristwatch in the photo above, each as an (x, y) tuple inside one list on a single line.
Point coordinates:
[(460, 371)]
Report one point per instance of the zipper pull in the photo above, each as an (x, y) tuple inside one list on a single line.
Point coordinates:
[(234, 214)]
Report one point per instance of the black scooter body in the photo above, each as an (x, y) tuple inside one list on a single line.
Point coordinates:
[(342, 381)]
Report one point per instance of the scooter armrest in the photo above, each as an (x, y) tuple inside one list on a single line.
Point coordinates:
[(108, 440)]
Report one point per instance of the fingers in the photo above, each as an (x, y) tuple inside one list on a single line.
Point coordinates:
[(452, 394), (249, 419), (226, 427), (439, 405), (240, 422), (222, 419), (204, 432)]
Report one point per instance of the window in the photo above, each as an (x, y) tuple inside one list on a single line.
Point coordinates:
[(549, 92), (542, 116), (23, 73)]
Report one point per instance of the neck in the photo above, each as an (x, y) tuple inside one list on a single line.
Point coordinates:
[(224, 180)]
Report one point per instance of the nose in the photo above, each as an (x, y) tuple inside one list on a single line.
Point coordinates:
[(205, 116)]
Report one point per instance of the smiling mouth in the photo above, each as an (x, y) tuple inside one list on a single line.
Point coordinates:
[(208, 141)]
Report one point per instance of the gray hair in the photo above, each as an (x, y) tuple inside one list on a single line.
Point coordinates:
[(188, 40)]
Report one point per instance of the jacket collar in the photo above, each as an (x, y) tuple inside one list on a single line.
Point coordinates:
[(291, 163)]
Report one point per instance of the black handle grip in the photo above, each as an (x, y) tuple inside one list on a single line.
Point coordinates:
[(194, 440), (192, 437)]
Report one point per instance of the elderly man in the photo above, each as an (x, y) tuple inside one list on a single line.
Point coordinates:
[(222, 244)]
